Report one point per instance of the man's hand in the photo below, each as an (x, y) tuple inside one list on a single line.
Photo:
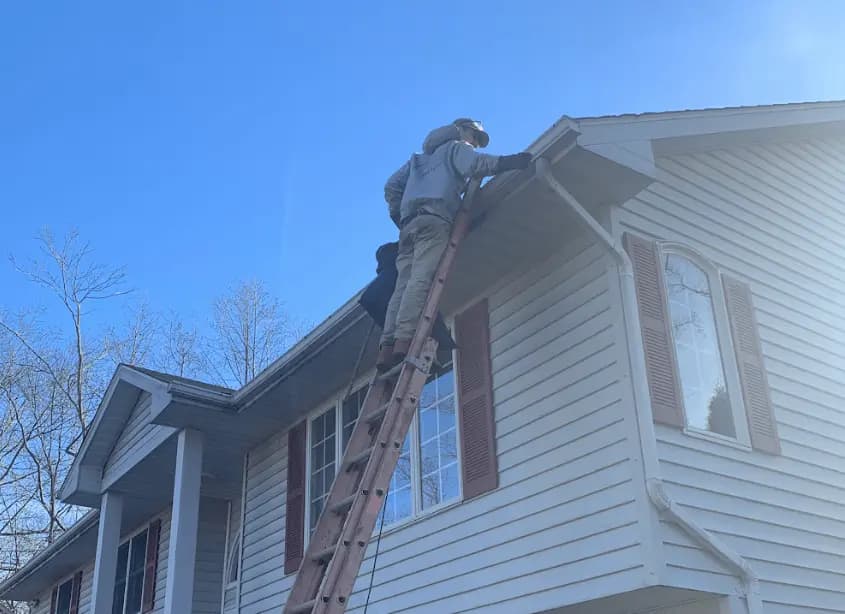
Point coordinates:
[(515, 162)]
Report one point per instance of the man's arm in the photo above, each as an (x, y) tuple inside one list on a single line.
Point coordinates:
[(470, 164), (394, 189)]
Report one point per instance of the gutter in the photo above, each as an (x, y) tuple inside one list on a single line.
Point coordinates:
[(65, 539), (655, 486)]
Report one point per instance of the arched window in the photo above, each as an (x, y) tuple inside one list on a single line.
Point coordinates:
[(702, 341)]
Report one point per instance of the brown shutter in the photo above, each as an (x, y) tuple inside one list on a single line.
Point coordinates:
[(752, 372), (76, 587), (53, 598), (295, 506), (475, 401), (663, 383), (148, 596)]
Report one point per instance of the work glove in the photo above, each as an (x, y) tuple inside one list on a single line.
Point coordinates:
[(514, 162)]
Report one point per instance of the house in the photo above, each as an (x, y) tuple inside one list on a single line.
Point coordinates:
[(651, 329)]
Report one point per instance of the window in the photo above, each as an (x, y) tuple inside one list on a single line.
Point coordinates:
[(234, 558), (129, 579), (701, 337), (325, 447), (428, 472), (350, 408), (323, 452), (63, 597), (427, 475)]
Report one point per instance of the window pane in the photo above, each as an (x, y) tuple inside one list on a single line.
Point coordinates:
[(135, 584), (234, 560), (139, 553), (697, 347), (351, 409), (120, 578), (400, 502), (322, 461), (438, 440), (450, 482), (63, 598), (428, 424)]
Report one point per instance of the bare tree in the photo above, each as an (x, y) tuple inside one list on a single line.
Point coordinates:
[(249, 330), (51, 379), (134, 341), (53, 376), (68, 272), (180, 352)]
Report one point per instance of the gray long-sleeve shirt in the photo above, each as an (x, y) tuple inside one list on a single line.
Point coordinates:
[(436, 179)]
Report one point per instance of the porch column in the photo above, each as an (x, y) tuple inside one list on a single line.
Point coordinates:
[(108, 541), (182, 552)]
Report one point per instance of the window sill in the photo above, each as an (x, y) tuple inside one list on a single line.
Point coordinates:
[(716, 438), (423, 515)]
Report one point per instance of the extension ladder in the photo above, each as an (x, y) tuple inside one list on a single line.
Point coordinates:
[(333, 558)]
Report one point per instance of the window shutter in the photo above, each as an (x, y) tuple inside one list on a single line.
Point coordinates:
[(475, 401), (53, 598), (151, 566), (295, 506), (76, 587), (663, 383), (752, 372)]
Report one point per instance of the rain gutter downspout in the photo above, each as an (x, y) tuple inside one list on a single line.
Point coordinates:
[(645, 428)]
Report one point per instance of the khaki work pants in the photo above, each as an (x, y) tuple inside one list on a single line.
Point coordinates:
[(421, 244)]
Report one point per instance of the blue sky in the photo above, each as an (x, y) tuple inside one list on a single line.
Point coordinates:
[(201, 143)]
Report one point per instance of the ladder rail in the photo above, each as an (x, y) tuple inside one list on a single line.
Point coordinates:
[(338, 545)]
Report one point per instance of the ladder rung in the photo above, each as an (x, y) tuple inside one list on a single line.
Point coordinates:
[(324, 555), (342, 506), (303, 607), (359, 459), (377, 415), (396, 370)]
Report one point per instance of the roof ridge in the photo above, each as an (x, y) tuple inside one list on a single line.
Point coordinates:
[(775, 105)]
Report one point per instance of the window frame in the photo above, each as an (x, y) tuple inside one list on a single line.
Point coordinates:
[(724, 338), (336, 402), (58, 588), (128, 540), (233, 547)]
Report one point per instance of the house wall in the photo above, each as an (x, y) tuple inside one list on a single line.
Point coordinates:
[(772, 215), (209, 563), (211, 545), (137, 439), (562, 524)]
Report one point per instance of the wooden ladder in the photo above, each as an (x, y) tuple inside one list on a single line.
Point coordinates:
[(333, 559)]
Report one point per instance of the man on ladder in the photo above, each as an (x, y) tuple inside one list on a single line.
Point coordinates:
[(423, 197)]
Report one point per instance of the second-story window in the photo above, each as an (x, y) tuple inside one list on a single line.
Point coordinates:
[(700, 366), (428, 472), (699, 323), (325, 447), (322, 459)]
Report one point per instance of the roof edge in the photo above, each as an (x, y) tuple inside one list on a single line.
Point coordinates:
[(81, 526)]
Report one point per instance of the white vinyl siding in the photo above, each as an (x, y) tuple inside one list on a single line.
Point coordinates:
[(773, 215), (211, 544), (209, 563), (562, 523), (137, 439)]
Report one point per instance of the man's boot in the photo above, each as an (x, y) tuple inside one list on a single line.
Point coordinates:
[(384, 361), (400, 350)]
